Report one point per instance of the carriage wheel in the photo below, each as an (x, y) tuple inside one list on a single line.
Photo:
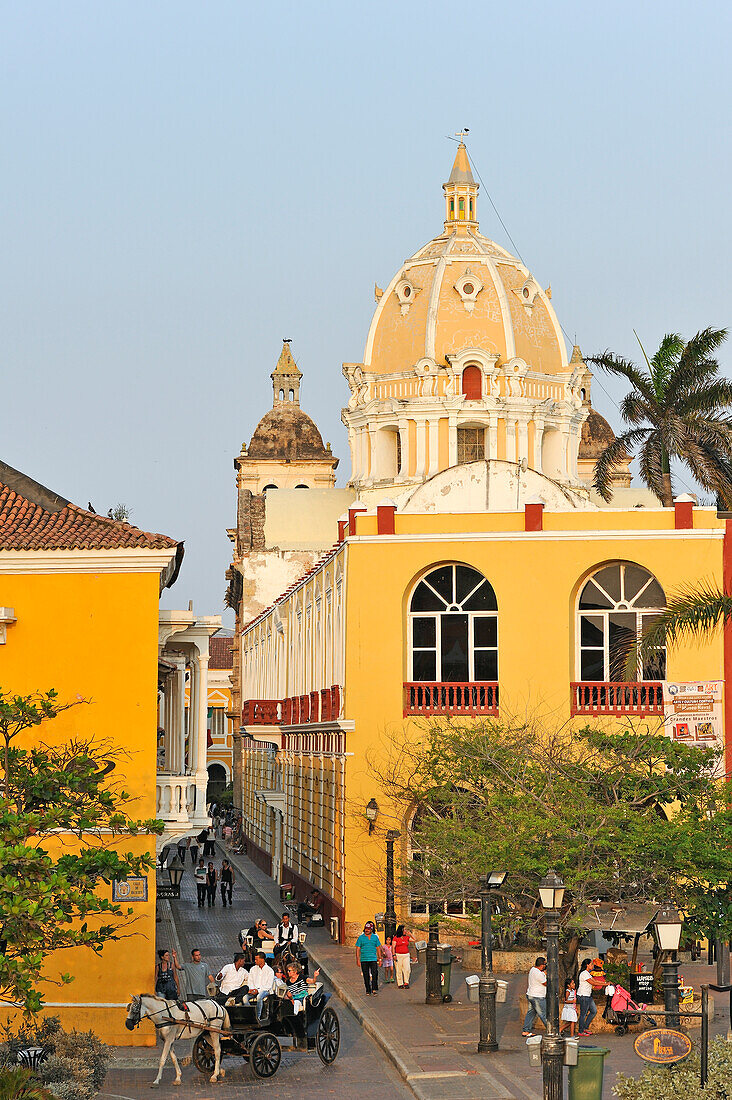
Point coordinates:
[(265, 1054), (328, 1036), (203, 1055)]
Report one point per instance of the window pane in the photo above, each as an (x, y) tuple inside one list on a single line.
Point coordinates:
[(485, 630), (593, 599), (608, 580), (424, 665), (441, 580), (486, 664), (424, 632), (591, 632), (454, 652), (424, 599), (654, 664), (470, 444), (635, 578), (622, 637), (483, 599), (592, 666), (653, 596), (466, 580)]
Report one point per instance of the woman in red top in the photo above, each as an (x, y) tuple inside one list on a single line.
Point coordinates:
[(402, 959)]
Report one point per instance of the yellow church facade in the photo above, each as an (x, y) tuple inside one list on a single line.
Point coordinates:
[(473, 572)]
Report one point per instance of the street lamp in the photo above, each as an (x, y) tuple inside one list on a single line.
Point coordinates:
[(668, 934), (372, 812), (390, 913), (551, 895), (175, 874), (488, 984)]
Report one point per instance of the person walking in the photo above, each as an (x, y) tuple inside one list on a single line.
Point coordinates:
[(587, 1006), (209, 844), (387, 959), (569, 1010), (536, 996), (368, 957), (227, 880), (211, 879), (402, 956), (200, 876), (197, 975), (194, 850), (166, 979)]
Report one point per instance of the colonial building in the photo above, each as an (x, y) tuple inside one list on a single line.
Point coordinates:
[(79, 596), (476, 573)]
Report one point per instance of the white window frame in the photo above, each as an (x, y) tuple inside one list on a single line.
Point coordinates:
[(620, 607), (437, 616)]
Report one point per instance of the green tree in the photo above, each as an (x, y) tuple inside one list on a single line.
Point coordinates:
[(621, 816), (675, 410), (61, 817)]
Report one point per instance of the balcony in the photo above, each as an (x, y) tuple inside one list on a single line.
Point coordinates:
[(176, 799), (260, 712), (317, 706), (479, 697), (624, 697)]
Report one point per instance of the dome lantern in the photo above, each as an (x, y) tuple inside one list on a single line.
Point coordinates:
[(286, 378), (461, 192)]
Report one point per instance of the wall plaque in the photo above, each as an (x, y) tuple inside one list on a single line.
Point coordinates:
[(662, 1045)]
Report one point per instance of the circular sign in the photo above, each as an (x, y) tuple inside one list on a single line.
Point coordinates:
[(662, 1045)]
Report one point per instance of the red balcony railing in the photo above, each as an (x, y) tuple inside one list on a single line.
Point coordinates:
[(260, 712), (625, 697), (479, 697)]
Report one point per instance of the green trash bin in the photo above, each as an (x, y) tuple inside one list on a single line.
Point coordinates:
[(585, 1079)]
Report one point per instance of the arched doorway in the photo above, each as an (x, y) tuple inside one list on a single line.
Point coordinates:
[(216, 782)]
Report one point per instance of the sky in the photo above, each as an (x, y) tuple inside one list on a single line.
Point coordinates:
[(184, 184)]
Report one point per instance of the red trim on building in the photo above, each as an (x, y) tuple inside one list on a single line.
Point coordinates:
[(258, 856), (727, 642), (534, 517), (684, 515), (385, 522)]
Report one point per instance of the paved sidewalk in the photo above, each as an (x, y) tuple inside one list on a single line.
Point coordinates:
[(434, 1048)]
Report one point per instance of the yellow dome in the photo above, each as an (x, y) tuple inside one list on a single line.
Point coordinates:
[(461, 290)]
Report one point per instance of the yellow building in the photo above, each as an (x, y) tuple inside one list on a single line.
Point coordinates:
[(79, 595), (476, 573)]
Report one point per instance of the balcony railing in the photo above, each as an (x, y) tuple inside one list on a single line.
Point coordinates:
[(295, 710), (479, 697), (625, 697)]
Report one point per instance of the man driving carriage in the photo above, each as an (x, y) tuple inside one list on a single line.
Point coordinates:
[(286, 933)]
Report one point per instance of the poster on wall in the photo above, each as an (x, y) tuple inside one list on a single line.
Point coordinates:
[(693, 712)]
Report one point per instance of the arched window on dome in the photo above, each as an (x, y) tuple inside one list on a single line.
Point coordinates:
[(615, 606), (268, 487), (291, 395), (471, 210), (302, 486), (282, 395), (461, 209), (472, 383), (453, 627)]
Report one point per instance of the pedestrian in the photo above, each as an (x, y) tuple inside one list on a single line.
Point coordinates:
[(402, 953), (227, 880), (232, 979), (197, 975), (209, 845), (227, 833), (194, 850), (166, 979), (387, 960), (569, 1010), (368, 957), (182, 850), (536, 996), (211, 877), (200, 876), (587, 1006)]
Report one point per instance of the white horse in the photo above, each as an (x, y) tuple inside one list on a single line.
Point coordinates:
[(175, 1023)]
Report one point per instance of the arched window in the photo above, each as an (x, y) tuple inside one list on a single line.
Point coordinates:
[(268, 487), (291, 395), (282, 395), (453, 627), (615, 606), (472, 383), (302, 486)]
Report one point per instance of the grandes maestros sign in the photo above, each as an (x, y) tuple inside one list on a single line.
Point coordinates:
[(693, 712)]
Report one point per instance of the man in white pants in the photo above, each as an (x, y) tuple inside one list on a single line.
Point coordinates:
[(261, 980)]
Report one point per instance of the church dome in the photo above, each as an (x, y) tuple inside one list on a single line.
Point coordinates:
[(462, 290), (596, 435), (287, 433)]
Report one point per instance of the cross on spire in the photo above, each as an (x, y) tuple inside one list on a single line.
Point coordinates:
[(462, 134)]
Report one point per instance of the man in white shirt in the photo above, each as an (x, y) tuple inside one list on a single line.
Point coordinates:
[(285, 933), (261, 980), (232, 979), (587, 1006), (536, 995)]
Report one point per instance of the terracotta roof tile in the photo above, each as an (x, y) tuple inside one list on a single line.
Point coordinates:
[(220, 649)]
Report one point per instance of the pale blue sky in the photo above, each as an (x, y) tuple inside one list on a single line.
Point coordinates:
[(186, 183)]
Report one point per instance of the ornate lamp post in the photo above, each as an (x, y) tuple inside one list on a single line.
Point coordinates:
[(488, 984), (551, 895), (175, 874), (390, 913), (372, 812), (668, 933)]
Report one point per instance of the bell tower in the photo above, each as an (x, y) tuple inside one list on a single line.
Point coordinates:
[(286, 379), (461, 192)]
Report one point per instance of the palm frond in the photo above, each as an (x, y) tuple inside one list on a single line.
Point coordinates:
[(615, 364), (709, 398), (693, 611), (703, 344), (614, 455), (663, 364), (634, 410), (650, 464)]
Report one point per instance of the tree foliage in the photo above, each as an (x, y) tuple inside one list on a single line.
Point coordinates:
[(61, 818), (675, 409), (622, 816)]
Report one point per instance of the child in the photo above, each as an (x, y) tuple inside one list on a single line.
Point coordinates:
[(387, 960), (569, 1012)]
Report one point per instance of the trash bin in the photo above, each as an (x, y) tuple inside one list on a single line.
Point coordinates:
[(501, 991), (533, 1047), (570, 1052), (585, 1079), (420, 947), (444, 957), (473, 982)]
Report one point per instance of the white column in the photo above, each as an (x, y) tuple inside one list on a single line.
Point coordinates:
[(421, 429), (404, 448), (511, 441), (523, 441), (199, 748), (538, 436), (452, 441), (491, 450), (179, 718), (433, 428), (192, 719)]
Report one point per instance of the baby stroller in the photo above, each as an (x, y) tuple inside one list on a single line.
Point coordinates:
[(622, 1011)]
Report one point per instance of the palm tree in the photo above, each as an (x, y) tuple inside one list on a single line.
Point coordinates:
[(674, 410), (693, 611)]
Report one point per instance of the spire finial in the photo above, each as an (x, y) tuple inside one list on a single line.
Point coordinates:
[(286, 377), (461, 190)]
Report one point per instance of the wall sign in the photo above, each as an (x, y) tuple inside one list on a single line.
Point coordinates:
[(133, 888), (641, 987), (662, 1045), (693, 712)]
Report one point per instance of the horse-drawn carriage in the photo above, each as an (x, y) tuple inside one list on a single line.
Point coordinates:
[(314, 1028)]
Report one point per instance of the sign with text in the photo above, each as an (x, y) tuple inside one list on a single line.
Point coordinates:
[(641, 988), (693, 712), (133, 888), (662, 1045)]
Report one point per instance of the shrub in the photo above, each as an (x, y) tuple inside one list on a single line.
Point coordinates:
[(682, 1079), (20, 1084), (76, 1062)]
